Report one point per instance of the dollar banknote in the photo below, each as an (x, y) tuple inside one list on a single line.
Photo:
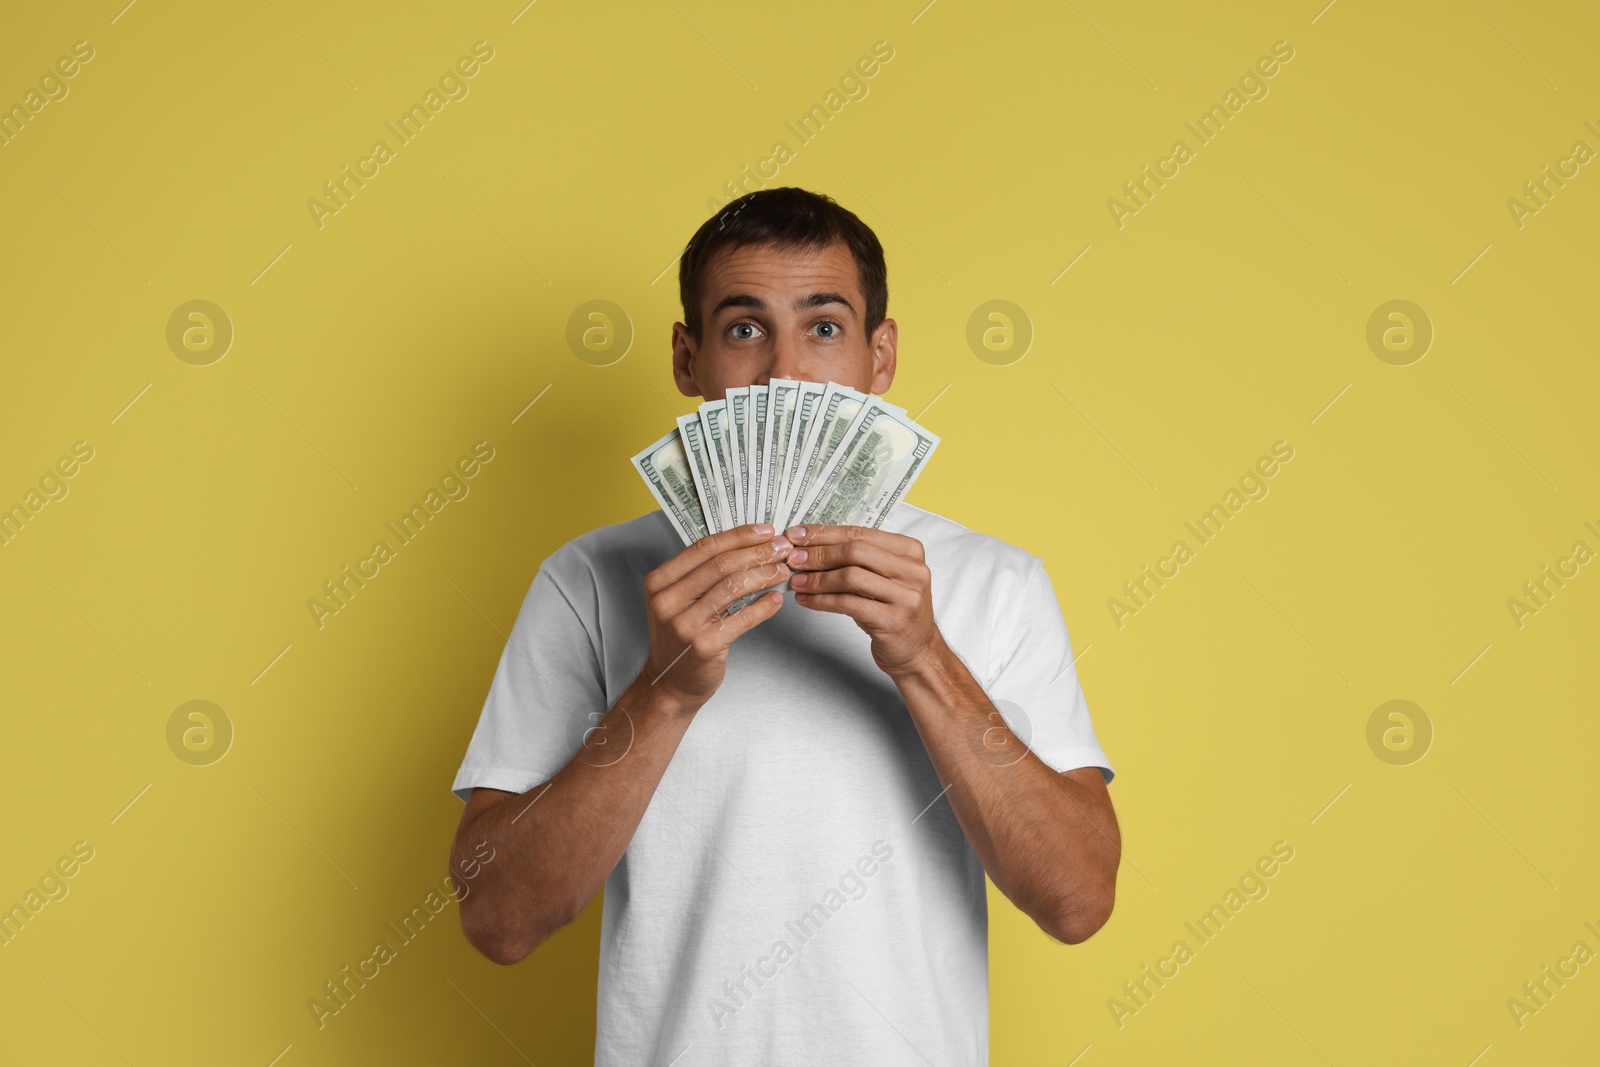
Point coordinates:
[(780, 407), (707, 483), (786, 452), (719, 439), (835, 412), (883, 452), (760, 398), (664, 466), (739, 428), (806, 404)]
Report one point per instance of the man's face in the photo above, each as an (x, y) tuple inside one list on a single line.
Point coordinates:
[(769, 312)]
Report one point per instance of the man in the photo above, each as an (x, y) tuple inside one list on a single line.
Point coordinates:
[(792, 808)]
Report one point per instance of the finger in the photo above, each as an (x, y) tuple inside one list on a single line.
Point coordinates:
[(718, 568), (729, 628), (730, 571), (673, 570), (857, 580), (858, 608), (741, 583), (808, 535), (870, 555)]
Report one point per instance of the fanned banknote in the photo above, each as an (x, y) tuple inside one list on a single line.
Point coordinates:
[(724, 459), (664, 466), (881, 454), (834, 414), (787, 453)]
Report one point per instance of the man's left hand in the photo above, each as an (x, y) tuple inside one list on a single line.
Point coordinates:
[(877, 578)]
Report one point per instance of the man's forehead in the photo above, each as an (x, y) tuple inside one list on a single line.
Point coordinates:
[(774, 270)]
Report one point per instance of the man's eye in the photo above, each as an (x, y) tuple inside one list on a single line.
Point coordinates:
[(737, 327), (831, 328)]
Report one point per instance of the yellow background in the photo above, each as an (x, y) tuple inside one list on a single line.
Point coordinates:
[(1226, 315)]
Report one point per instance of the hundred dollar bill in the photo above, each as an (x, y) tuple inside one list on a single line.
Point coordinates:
[(739, 427), (806, 405), (836, 412), (664, 466), (881, 456), (780, 417), (706, 481), (719, 439), (756, 449)]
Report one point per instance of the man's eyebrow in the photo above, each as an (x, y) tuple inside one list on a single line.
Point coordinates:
[(739, 300), (820, 299), (749, 300)]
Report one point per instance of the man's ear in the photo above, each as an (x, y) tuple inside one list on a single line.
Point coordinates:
[(683, 361), (885, 340)]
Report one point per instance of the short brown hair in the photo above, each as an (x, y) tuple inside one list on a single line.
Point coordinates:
[(789, 218)]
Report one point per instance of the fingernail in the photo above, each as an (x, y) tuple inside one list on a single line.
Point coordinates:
[(779, 544), (799, 579), (763, 529), (797, 532), (797, 556)]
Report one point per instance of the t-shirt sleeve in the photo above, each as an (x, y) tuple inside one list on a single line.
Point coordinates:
[(1034, 682), (547, 691)]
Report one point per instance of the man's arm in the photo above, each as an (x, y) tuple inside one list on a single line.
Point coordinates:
[(1049, 841), (555, 845)]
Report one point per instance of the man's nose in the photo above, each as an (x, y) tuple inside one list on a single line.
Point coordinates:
[(786, 358)]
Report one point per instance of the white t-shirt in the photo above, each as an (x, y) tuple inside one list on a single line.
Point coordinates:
[(798, 891)]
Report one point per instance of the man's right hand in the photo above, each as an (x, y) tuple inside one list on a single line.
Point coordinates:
[(687, 599), (559, 841)]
